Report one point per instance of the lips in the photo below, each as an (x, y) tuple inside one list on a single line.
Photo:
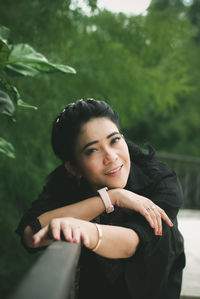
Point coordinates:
[(114, 170)]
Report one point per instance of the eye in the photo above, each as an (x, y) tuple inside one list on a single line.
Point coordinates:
[(115, 140), (90, 151)]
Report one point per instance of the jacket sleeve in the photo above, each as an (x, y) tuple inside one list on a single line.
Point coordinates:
[(57, 192)]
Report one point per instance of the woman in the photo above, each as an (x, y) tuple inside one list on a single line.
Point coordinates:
[(117, 201)]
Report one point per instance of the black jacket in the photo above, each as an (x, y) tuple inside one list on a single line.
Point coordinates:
[(155, 271)]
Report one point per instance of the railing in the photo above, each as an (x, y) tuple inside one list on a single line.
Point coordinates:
[(53, 276), (188, 171)]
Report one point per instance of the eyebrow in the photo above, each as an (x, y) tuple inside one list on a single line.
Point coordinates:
[(96, 141)]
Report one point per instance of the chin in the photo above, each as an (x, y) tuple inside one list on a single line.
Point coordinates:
[(119, 185)]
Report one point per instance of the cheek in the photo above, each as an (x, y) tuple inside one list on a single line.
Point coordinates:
[(124, 151), (90, 166)]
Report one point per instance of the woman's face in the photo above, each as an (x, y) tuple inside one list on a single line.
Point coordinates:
[(102, 155)]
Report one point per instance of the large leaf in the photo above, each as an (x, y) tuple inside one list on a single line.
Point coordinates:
[(23, 69), (6, 105), (26, 61), (7, 148)]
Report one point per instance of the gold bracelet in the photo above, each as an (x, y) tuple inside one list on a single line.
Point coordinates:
[(99, 237)]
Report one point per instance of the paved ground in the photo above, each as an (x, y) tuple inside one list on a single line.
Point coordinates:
[(189, 225)]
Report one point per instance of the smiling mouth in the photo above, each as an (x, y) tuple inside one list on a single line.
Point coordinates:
[(115, 170)]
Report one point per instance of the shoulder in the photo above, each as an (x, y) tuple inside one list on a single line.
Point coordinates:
[(146, 163), (59, 173), (60, 183)]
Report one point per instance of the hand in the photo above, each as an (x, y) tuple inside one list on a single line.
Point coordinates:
[(152, 213), (72, 229)]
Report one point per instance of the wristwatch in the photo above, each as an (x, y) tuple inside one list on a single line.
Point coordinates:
[(106, 199)]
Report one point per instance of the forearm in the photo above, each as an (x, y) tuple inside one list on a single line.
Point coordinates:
[(116, 242), (86, 209)]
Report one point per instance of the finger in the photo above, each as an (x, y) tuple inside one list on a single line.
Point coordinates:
[(165, 217), (39, 236), (76, 234), (54, 229), (145, 212), (154, 217), (67, 231), (158, 219), (159, 224), (85, 239)]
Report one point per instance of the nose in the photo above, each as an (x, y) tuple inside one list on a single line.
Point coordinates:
[(109, 156)]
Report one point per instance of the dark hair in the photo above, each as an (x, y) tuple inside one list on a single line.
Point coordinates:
[(139, 155), (69, 122)]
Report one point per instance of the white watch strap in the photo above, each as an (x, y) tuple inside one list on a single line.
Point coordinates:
[(106, 199)]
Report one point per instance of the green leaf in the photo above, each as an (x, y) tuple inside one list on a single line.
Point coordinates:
[(4, 33), (13, 93), (10, 89), (25, 105), (51, 67), (6, 105), (4, 54), (7, 148), (26, 61), (23, 69)]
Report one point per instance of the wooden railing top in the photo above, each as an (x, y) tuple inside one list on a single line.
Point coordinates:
[(177, 157), (53, 274)]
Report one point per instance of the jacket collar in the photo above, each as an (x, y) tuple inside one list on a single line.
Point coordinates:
[(138, 180)]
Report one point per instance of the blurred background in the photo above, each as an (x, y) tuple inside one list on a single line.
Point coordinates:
[(144, 62)]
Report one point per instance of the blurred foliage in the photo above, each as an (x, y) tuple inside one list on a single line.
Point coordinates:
[(146, 67), (20, 59)]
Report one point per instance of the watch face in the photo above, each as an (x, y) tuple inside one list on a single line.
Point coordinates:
[(110, 209)]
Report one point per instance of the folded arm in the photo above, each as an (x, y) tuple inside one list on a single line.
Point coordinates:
[(90, 208), (116, 242)]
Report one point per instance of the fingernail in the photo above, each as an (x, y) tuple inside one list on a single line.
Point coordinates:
[(171, 224)]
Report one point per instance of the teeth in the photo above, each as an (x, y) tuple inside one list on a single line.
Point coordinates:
[(115, 170)]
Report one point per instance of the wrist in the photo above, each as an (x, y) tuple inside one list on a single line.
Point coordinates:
[(99, 237), (106, 199), (114, 196), (94, 236)]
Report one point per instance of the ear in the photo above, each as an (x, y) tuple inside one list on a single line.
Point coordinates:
[(72, 170)]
